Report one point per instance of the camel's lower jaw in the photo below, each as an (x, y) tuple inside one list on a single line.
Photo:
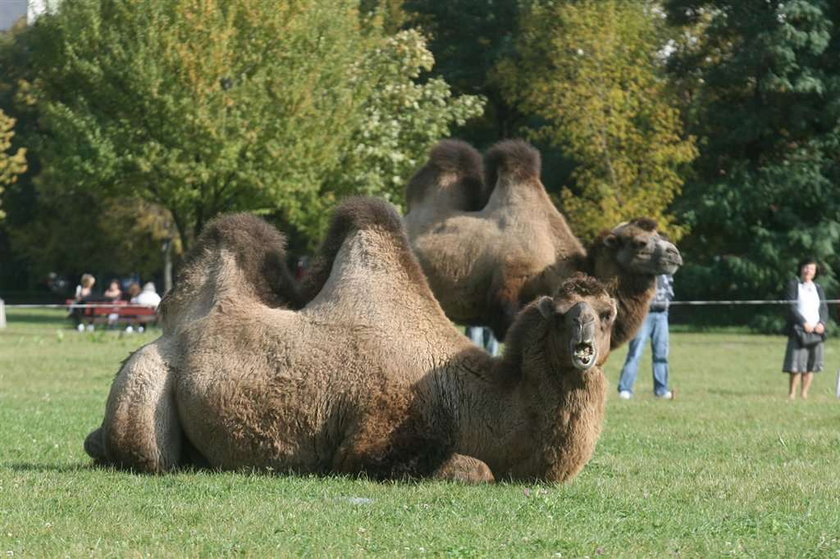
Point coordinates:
[(669, 267), (583, 356)]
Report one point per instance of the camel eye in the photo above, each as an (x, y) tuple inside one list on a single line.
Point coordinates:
[(606, 316), (639, 244)]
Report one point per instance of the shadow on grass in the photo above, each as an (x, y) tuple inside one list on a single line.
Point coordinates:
[(58, 468), (56, 319)]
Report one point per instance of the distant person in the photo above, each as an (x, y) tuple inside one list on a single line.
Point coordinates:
[(807, 317), (301, 267), (114, 293), (148, 297), (83, 295), (85, 287), (483, 337), (132, 291), (654, 327)]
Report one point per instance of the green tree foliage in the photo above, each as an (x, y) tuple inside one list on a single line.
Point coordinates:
[(11, 164), (204, 106), (401, 119), (761, 81), (468, 38), (592, 71)]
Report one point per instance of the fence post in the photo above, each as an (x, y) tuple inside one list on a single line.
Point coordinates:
[(2, 314), (837, 385)]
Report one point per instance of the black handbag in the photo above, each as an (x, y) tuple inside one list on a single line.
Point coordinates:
[(807, 339)]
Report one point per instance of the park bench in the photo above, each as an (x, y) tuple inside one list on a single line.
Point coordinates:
[(113, 313)]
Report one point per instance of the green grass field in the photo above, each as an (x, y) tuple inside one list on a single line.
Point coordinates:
[(728, 468)]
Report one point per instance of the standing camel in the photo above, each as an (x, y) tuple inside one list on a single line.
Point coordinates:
[(484, 265)]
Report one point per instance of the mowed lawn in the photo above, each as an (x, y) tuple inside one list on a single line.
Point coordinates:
[(729, 467)]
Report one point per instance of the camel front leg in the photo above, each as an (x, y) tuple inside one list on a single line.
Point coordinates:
[(397, 442), (141, 430), (464, 469)]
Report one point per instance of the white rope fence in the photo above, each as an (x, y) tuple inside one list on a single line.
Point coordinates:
[(673, 303), (745, 302), (80, 306), (3, 306)]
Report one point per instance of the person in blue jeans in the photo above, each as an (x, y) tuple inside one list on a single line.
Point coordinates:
[(483, 337), (654, 327)]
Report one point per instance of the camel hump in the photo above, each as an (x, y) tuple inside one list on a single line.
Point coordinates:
[(361, 213), (259, 252), (514, 159), (459, 160), (355, 214), (456, 156), (243, 234)]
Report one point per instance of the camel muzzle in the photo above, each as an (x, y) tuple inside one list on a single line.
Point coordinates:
[(668, 257), (582, 347)]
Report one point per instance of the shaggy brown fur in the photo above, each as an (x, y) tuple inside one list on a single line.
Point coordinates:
[(369, 377), (452, 180), (485, 265), (628, 258), (259, 253), (478, 262)]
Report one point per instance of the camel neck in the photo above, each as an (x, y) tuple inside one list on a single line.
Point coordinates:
[(633, 293), (524, 428)]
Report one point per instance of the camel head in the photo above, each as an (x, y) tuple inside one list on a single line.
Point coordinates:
[(639, 248), (580, 317)]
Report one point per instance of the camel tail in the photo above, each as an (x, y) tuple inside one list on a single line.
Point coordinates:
[(512, 159)]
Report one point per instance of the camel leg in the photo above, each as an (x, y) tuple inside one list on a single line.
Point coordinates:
[(141, 430), (465, 469), (395, 441)]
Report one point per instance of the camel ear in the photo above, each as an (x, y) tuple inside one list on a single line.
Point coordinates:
[(546, 306), (610, 240)]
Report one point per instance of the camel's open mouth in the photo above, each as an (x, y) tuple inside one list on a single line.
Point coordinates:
[(669, 265), (583, 355)]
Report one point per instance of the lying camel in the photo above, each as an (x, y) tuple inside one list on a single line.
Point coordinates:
[(369, 377), (485, 265)]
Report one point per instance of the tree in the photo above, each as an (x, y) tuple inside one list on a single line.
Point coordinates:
[(204, 106), (593, 73), (468, 38), (761, 82), (401, 120), (11, 164)]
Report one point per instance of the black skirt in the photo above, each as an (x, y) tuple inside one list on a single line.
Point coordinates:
[(800, 359)]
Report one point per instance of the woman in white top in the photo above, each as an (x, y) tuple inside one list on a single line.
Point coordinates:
[(148, 297), (806, 328)]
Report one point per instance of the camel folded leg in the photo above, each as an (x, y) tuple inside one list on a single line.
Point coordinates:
[(141, 430), (403, 444), (465, 469)]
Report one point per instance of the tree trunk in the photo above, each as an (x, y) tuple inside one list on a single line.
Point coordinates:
[(167, 265)]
